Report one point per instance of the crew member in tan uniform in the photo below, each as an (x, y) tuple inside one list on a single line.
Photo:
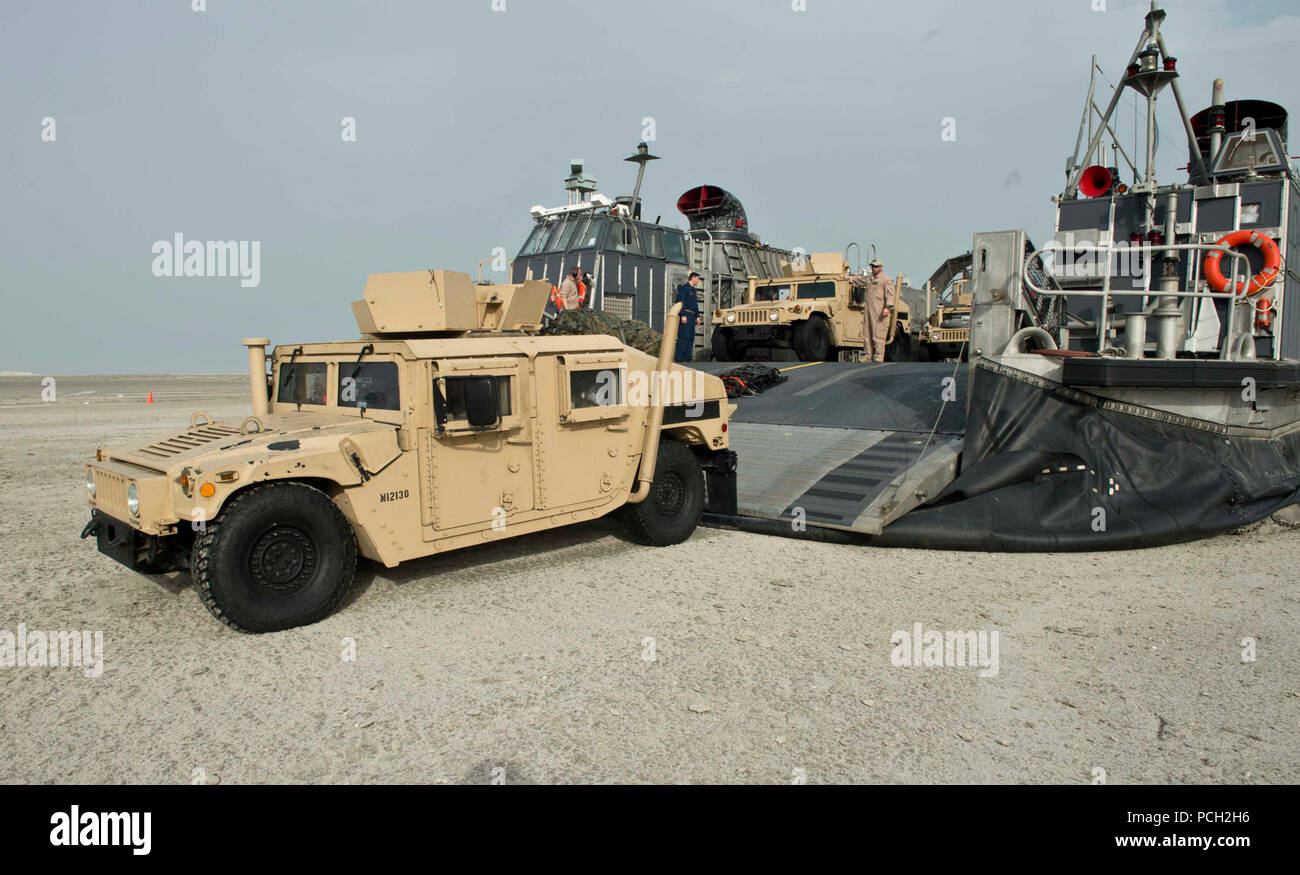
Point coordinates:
[(570, 297), (875, 313)]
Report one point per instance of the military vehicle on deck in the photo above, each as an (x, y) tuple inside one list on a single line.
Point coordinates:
[(940, 312), (634, 266), (448, 423), (811, 309)]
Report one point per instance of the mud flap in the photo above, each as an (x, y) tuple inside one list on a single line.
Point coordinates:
[(720, 482)]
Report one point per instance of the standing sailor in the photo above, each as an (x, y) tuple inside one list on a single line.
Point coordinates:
[(690, 301)]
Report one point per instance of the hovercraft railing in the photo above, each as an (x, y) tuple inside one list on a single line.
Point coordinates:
[(1103, 254)]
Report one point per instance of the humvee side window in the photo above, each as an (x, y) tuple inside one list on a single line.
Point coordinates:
[(302, 383), (675, 247), (452, 407), (816, 290), (373, 385), (595, 388)]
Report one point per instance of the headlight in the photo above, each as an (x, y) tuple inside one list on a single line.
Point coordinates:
[(731, 317), (772, 315), (90, 482), (133, 499)]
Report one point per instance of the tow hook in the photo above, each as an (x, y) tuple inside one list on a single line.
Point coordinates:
[(91, 528)]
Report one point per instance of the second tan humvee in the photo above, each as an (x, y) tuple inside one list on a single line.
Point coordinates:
[(813, 310), (449, 423)]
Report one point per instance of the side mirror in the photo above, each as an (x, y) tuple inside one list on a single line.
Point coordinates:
[(481, 405)]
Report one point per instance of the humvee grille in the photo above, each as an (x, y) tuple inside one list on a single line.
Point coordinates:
[(750, 317), (110, 492), (188, 440)]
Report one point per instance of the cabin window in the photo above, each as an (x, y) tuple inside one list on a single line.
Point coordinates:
[(371, 385), (452, 407), (654, 243), (675, 247), (816, 290), (623, 237), (592, 387), (574, 234), (563, 234), (302, 383), (602, 388), (537, 242)]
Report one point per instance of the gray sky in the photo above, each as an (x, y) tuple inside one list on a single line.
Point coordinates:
[(225, 125)]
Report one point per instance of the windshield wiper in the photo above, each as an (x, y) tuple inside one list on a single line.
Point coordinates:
[(366, 350), (293, 355)]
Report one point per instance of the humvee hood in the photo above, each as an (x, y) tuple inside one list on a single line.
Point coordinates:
[(282, 433)]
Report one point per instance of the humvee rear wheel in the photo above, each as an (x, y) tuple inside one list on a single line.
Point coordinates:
[(811, 340), (671, 511), (279, 555), (724, 348), (900, 348)]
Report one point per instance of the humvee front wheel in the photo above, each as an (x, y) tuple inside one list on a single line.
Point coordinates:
[(279, 555), (811, 340), (671, 511), (724, 348)]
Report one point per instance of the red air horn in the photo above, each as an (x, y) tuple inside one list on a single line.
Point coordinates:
[(1095, 181)]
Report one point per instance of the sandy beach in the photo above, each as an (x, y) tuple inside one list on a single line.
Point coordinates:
[(575, 656)]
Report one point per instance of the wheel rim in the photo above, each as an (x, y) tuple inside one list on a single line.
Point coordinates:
[(282, 560), (669, 494)]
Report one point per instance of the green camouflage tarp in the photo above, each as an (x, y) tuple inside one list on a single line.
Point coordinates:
[(632, 332)]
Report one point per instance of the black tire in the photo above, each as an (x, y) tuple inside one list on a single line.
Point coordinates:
[(672, 510), (811, 340), (900, 348), (278, 556), (723, 345)]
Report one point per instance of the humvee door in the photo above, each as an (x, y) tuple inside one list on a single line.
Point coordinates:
[(476, 459)]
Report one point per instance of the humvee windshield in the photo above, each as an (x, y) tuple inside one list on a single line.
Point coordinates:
[(302, 383), (771, 293), (373, 385)]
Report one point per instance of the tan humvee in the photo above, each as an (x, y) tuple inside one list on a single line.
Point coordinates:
[(811, 309), (449, 423)]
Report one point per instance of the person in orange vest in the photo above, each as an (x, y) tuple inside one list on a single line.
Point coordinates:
[(569, 294)]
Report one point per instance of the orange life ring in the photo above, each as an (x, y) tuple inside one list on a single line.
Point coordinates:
[(1261, 280)]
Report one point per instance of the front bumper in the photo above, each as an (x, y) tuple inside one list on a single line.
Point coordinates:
[(133, 548)]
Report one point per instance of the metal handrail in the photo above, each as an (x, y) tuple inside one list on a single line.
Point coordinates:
[(1105, 291)]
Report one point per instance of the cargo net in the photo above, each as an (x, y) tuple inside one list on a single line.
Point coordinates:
[(631, 332), (1047, 311)]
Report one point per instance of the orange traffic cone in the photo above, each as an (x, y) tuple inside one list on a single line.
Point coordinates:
[(150, 399)]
